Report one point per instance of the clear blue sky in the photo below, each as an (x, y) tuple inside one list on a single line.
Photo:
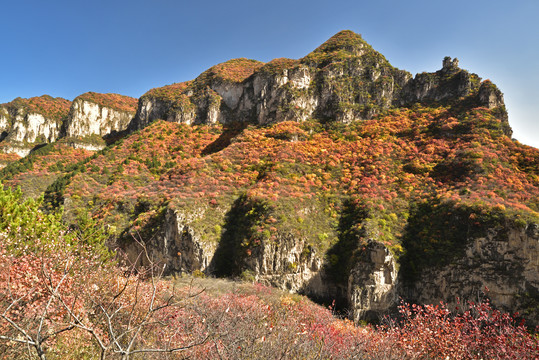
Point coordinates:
[(65, 48)]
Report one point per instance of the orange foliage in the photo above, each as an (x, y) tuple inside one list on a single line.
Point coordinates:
[(113, 101)]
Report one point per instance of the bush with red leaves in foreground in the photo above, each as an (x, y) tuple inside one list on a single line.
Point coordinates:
[(477, 331), (60, 307)]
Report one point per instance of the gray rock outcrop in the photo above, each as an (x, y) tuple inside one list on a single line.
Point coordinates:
[(177, 246), (26, 123), (372, 284), (504, 265)]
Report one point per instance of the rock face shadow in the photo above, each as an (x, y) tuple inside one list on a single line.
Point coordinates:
[(230, 252), (230, 131)]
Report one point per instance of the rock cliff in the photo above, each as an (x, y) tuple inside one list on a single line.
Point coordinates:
[(372, 283), (93, 116), (499, 265), (26, 123), (177, 244)]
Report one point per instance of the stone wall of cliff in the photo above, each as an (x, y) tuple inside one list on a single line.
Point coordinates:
[(503, 265)]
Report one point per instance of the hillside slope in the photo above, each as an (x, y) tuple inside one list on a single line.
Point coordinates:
[(307, 207)]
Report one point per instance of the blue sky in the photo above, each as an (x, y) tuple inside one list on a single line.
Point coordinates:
[(66, 48)]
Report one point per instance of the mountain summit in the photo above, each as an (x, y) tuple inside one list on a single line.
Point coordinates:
[(345, 41)]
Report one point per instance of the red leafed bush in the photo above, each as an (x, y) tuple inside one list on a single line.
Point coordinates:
[(475, 332)]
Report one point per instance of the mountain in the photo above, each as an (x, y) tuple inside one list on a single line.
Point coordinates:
[(336, 175), (344, 79)]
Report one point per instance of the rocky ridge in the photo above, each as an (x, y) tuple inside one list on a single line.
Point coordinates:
[(94, 115), (343, 80)]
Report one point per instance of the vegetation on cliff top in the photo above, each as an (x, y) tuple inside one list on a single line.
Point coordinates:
[(168, 92), (343, 40), (51, 108), (276, 66), (344, 45), (113, 101), (235, 70)]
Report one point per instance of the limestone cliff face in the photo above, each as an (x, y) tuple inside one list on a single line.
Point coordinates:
[(287, 263), (5, 123), (25, 123), (88, 118), (503, 265), (182, 245), (95, 115), (451, 82), (506, 262), (372, 284), (33, 127), (151, 108)]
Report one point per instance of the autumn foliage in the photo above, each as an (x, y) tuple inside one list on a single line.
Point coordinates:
[(390, 165), (235, 70), (51, 108), (112, 101)]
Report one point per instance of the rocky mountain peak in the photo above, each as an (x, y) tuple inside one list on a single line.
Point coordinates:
[(346, 41), (344, 79)]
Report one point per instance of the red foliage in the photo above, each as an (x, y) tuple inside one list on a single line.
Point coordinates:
[(278, 65), (168, 92), (113, 101), (235, 70), (476, 332), (388, 162), (49, 107)]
